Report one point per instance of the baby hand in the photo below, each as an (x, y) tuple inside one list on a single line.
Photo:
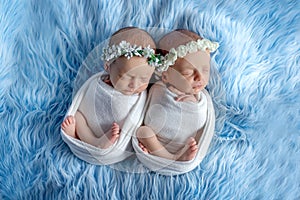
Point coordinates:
[(182, 96)]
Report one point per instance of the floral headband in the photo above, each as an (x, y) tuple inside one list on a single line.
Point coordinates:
[(161, 63), (126, 49), (191, 47)]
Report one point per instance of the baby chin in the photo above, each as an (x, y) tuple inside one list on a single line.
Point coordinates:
[(130, 92), (197, 89)]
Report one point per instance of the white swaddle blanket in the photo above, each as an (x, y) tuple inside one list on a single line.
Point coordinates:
[(174, 122), (102, 105)]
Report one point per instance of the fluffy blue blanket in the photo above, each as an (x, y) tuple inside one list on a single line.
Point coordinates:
[(255, 84)]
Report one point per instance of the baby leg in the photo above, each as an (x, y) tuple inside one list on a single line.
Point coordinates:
[(189, 151), (87, 135), (110, 137), (68, 126), (150, 143), (81, 127)]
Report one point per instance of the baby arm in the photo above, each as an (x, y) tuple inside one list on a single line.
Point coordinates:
[(87, 135), (182, 96), (149, 143)]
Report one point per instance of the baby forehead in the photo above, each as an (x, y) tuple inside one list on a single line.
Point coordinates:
[(199, 60), (133, 36), (190, 68), (136, 71), (173, 40), (135, 75)]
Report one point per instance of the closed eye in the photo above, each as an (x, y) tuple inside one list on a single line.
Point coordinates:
[(123, 77), (144, 79), (187, 73)]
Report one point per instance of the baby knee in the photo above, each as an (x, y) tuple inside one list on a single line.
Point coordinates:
[(144, 132)]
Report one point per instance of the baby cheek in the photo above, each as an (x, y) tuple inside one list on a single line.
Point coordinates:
[(190, 80), (142, 88), (120, 83), (205, 80)]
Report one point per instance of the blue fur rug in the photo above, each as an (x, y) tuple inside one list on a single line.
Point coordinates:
[(255, 84)]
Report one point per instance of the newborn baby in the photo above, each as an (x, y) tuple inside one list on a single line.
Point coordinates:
[(177, 108), (109, 100)]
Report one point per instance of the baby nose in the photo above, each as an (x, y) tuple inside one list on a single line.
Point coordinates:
[(133, 84), (197, 77)]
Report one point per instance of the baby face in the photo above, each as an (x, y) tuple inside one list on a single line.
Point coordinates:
[(130, 76), (191, 73)]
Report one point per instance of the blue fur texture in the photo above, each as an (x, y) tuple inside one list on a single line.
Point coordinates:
[(255, 84)]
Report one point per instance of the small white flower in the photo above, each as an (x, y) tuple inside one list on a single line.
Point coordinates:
[(119, 52), (192, 47), (181, 51), (164, 66), (206, 44), (110, 50), (200, 44), (168, 60), (171, 57), (173, 51), (124, 45), (214, 46), (148, 52)]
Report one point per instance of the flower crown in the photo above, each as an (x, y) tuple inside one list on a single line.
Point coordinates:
[(190, 47), (161, 63), (126, 49)]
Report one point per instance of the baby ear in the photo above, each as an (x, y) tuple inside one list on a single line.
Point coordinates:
[(106, 66), (164, 76)]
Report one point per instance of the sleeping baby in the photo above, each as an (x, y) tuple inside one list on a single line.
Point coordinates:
[(113, 101), (177, 110)]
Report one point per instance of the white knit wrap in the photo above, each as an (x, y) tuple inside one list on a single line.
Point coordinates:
[(102, 105), (174, 122)]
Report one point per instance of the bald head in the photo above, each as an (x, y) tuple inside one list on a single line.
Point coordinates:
[(176, 38), (133, 35)]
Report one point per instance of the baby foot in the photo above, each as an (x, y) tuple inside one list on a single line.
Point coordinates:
[(68, 126), (144, 149), (115, 133), (191, 151), (112, 136)]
